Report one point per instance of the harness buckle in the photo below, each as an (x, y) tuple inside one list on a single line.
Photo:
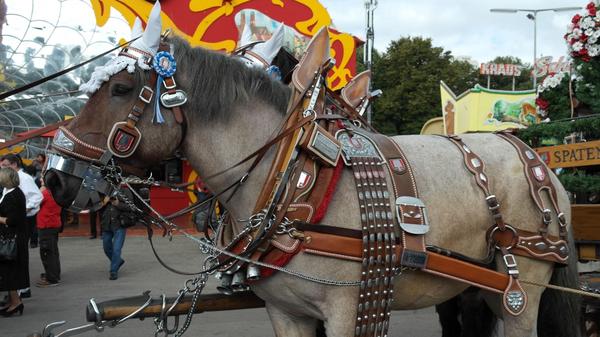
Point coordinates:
[(169, 83), (509, 261), (492, 202), (146, 94), (546, 216)]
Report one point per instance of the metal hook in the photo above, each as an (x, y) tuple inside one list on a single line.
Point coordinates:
[(136, 311)]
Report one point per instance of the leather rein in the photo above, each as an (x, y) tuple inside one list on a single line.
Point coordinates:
[(100, 175)]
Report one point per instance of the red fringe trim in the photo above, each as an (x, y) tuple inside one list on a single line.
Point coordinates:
[(320, 213), (279, 261)]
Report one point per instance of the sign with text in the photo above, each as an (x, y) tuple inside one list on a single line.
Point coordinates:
[(500, 69), (545, 66), (571, 155)]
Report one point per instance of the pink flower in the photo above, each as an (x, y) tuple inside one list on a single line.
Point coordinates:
[(542, 103), (591, 7)]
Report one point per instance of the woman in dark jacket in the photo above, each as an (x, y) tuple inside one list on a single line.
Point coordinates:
[(13, 274)]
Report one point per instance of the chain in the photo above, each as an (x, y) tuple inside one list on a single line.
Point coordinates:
[(196, 286), (285, 227), (139, 181), (274, 267), (253, 221)]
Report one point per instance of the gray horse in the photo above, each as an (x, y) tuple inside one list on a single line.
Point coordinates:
[(233, 110)]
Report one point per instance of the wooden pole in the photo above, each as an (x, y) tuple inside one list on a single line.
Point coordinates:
[(119, 308)]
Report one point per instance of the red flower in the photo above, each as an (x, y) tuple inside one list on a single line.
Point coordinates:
[(586, 58), (591, 7), (583, 52), (576, 18), (583, 38), (542, 103)]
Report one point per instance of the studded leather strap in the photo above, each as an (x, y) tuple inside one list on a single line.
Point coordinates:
[(378, 247), (515, 298), (538, 178)]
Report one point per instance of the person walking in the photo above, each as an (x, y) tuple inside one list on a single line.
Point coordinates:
[(93, 231), (48, 224), (14, 275), (113, 231)]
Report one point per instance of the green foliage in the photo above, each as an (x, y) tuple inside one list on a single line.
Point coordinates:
[(557, 99), (533, 135), (579, 182), (409, 73), (587, 89)]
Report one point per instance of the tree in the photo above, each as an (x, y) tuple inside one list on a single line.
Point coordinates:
[(409, 73)]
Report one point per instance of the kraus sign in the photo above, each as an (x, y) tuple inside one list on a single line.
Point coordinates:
[(500, 69)]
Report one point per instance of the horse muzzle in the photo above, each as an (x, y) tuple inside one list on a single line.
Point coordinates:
[(92, 183)]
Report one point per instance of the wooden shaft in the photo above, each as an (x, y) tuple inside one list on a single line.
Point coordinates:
[(119, 308)]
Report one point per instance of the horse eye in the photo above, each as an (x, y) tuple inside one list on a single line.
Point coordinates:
[(120, 90)]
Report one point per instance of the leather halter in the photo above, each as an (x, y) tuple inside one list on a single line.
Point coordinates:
[(122, 141)]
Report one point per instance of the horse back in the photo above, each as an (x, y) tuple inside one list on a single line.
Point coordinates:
[(457, 212)]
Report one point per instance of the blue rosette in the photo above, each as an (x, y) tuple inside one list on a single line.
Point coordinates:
[(165, 66)]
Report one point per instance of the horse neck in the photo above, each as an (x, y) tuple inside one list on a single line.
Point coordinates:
[(220, 145)]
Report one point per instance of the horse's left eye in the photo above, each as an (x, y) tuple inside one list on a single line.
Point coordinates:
[(120, 90)]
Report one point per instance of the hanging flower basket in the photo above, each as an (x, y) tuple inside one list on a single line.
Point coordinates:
[(583, 34)]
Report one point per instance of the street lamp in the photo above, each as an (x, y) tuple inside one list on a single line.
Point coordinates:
[(370, 6), (532, 15)]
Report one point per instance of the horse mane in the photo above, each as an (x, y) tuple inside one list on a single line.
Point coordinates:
[(217, 83)]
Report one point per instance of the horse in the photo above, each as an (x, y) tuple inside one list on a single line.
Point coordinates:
[(232, 110)]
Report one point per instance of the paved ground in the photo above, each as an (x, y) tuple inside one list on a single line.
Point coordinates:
[(85, 275)]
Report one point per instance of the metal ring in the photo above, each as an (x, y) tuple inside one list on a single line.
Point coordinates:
[(515, 236)]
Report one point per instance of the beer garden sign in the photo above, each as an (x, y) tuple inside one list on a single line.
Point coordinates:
[(571, 155)]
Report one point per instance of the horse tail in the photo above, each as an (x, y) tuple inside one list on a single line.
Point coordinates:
[(560, 312)]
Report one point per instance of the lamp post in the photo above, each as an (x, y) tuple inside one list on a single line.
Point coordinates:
[(370, 6), (532, 15)]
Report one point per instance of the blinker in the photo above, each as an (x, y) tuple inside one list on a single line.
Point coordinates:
[(171, 100)]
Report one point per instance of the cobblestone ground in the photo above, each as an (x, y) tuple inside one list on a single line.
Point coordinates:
[(85, 275)]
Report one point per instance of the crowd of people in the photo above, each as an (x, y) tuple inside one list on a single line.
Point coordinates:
[(30, 216)]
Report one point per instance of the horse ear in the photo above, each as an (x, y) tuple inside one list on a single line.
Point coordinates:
[(153, 29), (246, 37), (270, 48), (137, 29)]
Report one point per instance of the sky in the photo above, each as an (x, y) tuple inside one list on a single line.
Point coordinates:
[(465, 27)]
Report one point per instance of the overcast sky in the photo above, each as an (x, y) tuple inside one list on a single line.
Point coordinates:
[(465, 27)]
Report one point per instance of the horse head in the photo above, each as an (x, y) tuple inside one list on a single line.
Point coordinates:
[(124, 99), (134, 118)]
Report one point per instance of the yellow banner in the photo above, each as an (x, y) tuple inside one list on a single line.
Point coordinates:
[(480, 110)]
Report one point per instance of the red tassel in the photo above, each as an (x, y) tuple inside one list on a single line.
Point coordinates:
[(320, 213)]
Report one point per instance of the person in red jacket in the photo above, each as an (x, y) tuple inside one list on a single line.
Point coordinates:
[(48, 224)]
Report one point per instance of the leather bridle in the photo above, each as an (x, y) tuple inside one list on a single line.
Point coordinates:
[(92, 164)]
